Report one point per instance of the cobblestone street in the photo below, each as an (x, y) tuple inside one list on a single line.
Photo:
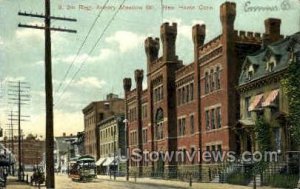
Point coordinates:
[(104, 182)]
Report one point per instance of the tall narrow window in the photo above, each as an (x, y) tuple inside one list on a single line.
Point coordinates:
[(217, 78), (191, 91), (183, 126), (192, 124), (247, 104), (206, 83), (207, 120), (213, 126), (219, 118), (187, 94), (212, 82)]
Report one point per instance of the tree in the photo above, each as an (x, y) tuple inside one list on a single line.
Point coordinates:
[(263, 138), (291, 84)]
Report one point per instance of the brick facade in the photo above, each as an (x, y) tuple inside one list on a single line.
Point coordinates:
[(94, 113), (194, 106)]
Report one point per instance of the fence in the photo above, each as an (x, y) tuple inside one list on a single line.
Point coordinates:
[(283, 174)]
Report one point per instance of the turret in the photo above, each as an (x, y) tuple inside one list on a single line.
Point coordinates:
[(227, 17), (198, 33), (151, 49), (168, 35)]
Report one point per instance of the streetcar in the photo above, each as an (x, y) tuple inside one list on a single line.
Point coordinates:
[(84, 169)]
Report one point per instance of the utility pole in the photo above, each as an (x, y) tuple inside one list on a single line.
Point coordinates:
[(50, 181), (10, 130), (18, 93)]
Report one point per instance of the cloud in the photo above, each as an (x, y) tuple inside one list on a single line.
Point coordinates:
[(25, 34), (104, 54), (90, 82), (126, 40)]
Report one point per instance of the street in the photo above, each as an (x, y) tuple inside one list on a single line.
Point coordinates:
[(103, 182)]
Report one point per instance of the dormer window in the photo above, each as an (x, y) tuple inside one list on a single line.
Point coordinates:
[(271, 66), (271, 63), (250, 74)]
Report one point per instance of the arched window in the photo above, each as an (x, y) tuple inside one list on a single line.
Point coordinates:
[(217, 78), (206, 83)]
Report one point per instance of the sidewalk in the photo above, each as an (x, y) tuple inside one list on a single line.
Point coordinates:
[(176, 183), (13, 183)]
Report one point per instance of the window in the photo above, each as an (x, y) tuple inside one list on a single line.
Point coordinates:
[(158, 94), (101, 116), (219, 117), (212, 82), (181, 126), (206, 83), (144, 136), (207, 120), (185, 93), (192, 124), (187, 98), (271, 66), (247, 104), (250, 75), (159, 124), (191, 91), (217, 78), (144, 111), (212, 116)]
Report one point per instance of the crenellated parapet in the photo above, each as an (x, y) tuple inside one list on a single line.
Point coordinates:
[(211, 45), (247, 37)]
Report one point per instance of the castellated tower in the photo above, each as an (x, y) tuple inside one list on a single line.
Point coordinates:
[(198, 33), (126, 85), (138, 76), (151, 48), (168, 35), (227, 17)]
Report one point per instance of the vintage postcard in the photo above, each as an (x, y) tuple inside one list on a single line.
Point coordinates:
[(149, 94)]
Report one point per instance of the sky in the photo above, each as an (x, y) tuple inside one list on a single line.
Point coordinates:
[(118, 53)]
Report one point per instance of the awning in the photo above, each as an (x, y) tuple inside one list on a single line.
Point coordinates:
[(255, 102), (100, 161), (272, 96), (110, 161)]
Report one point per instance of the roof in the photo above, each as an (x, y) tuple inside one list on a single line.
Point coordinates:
[(111, 118), (62, 144), (279, 50)]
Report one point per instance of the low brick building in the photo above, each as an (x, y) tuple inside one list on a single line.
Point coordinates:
[(190, 107), (112, 146), (32, 149), (93, 114)]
